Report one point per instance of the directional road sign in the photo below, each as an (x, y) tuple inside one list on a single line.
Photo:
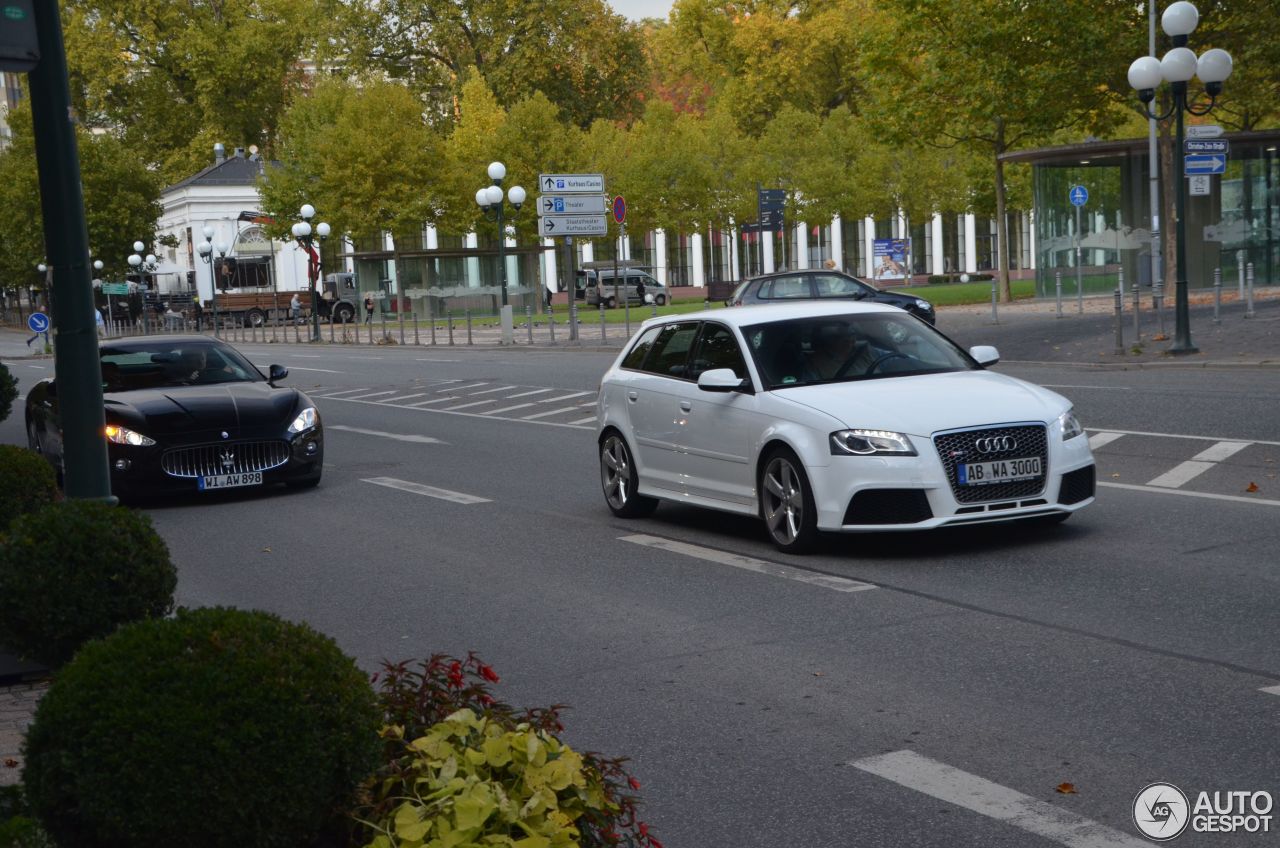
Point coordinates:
[(571, 183), (115, 288), (1079, 195), (38, 322), (1204, 131), (1205, 163), (1192, 145), (573, 225), (571, 204), (1199, 184)]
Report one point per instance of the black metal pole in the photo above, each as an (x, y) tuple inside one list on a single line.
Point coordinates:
[(1182, 316), (502, 251), (76, 369)]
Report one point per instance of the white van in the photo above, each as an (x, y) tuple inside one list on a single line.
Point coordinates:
[(601, 287)]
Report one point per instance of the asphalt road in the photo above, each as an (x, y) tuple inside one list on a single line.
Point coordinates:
[(764, 705)]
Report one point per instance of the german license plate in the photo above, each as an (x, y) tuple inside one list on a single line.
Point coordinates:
[(230, 481), (998, 471)]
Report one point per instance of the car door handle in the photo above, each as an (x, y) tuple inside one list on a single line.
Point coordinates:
[(687, 406), (633, 396)]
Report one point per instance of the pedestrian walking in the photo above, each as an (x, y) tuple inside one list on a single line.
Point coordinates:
[(368, 309), (295, 309), (38, 335), (102, 325)]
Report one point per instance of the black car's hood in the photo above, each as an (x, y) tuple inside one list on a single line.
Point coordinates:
[(195, 413)]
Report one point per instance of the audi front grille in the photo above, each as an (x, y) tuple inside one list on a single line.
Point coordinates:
[(962, 446), (225, 458)]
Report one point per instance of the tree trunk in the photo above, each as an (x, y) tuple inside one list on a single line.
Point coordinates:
[(1168, 195), (1002, 223)]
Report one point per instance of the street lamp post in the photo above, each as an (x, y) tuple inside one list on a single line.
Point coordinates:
[(206, 250), (303, 233), (98, 266), (489, 199), (143, 266), (1177, 68)]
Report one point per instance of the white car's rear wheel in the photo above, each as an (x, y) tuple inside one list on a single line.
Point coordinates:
[(786, 503), (619, 480)]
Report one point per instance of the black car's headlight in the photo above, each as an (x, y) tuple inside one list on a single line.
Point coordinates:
[(924, 306), (125, 436), (1070, 425), (868, 442), (306, 419)]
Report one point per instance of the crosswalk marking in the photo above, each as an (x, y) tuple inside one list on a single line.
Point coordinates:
[(491, 391), (587, 420), (343, 392), (1183, 473), (1097, 440), (467, 405), (402, 397), (460, 388), (564, 397), (527, 394), (507, 409), (548, 414), (372, 394), (433, 400)]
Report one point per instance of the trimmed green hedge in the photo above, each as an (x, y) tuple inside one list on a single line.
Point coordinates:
[(8, 391), (27, 483)]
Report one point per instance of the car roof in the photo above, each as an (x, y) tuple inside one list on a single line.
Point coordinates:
[(159, 343), (741, 316)]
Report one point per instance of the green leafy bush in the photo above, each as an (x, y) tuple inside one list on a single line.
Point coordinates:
[(441, 710), (27, 482), (75, 571), (8, 391), (17, 828), (218, 728)]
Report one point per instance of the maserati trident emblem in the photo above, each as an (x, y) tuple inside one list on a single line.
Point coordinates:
[(225, 434), (995, 444), (228, 460)]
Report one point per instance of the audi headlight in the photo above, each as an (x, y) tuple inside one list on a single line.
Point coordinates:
[(868, 442), (306, 419), (1070, 425), (125, 436)]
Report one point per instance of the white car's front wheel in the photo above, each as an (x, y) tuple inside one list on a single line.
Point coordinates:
[(619, 480), (786, 503)]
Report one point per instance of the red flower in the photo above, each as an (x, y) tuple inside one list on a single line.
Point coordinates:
[(487, 700), (488, 674), (644, 829), (635, 784)]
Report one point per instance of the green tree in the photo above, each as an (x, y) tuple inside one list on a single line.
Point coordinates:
[(587, 60), (173, 78), (993, 75), (121, 199)]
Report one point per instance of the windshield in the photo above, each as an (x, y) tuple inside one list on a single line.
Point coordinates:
[(844, 348), (161, 365)]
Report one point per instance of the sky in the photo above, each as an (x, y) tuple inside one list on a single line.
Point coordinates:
[(637, 9)]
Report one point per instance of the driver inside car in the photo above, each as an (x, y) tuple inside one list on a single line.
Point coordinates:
[(836, 353)]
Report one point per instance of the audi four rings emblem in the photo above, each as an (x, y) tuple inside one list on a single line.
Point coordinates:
[(995, 444)]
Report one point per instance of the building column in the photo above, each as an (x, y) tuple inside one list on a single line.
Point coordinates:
[(802, 245), (1031, 239), (473, 263), (868, 246), (937, 261), (695, 247), (970, 244), (660, 248), (735, 267), (588, 251), (433, 239), (837, 242), (549, 267), (766, 239), (1099, 226), (388, 243)]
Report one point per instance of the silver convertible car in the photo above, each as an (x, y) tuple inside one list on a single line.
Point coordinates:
[(821, 416)]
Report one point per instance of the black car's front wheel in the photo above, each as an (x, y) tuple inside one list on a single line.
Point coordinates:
[(619, 480), (33, 437)]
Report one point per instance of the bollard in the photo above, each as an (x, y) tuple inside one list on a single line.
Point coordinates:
[(602, 330), (1248, 291), (1217, 295), (400, 317), (449, 314), (1157, 303), (528, 317), (1137, 304), (332, 320), (468, 314), (297, 334), (995, 318), (382, 324), (274, 338), (1079, 288), (573, 316), (1119, 320), (432, 318), (416, 340), (551, 325), (1240, 270), (655, 308), (1057, 284)]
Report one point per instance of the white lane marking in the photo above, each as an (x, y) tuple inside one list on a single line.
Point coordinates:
[(321, 370), (507, 409), (1181, 474), (564, 397), (307, 355), (549, 414), (491, 391), (429, 491), (400, 437), (584, 420), (403, 397), (467, 405), (1097, 440), (941, 781), (527, 394), (414, 407), (344, 392), (1271, 690), (41, 367), (759, 566), (422, 359), (372, 394), (1181, 436), (433, 400), (460, 388), (1220, 451), (1209, 495), (1104, 388)]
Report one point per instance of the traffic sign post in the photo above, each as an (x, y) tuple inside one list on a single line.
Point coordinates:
[(619, 209), (1079, 196), (38, 322), (1204, 131), (115, 288), (1199, 185), (553, 226), (1204, 163), (1192, 145), (571, 204), (571, 183)]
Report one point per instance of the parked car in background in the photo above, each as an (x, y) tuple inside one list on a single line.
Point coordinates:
[(790, 286), (190, 414), (600, 286), (832, 416)]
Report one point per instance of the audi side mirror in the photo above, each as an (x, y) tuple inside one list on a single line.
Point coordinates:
[(722, 380), (985, 354)]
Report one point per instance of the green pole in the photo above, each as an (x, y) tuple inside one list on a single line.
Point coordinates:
[(76, 370)]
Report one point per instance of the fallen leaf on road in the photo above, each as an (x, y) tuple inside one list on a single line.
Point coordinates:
[(1067, 788), (266, 550), (1116, 476), (1252, 487), (10, 762), (819, 674)]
